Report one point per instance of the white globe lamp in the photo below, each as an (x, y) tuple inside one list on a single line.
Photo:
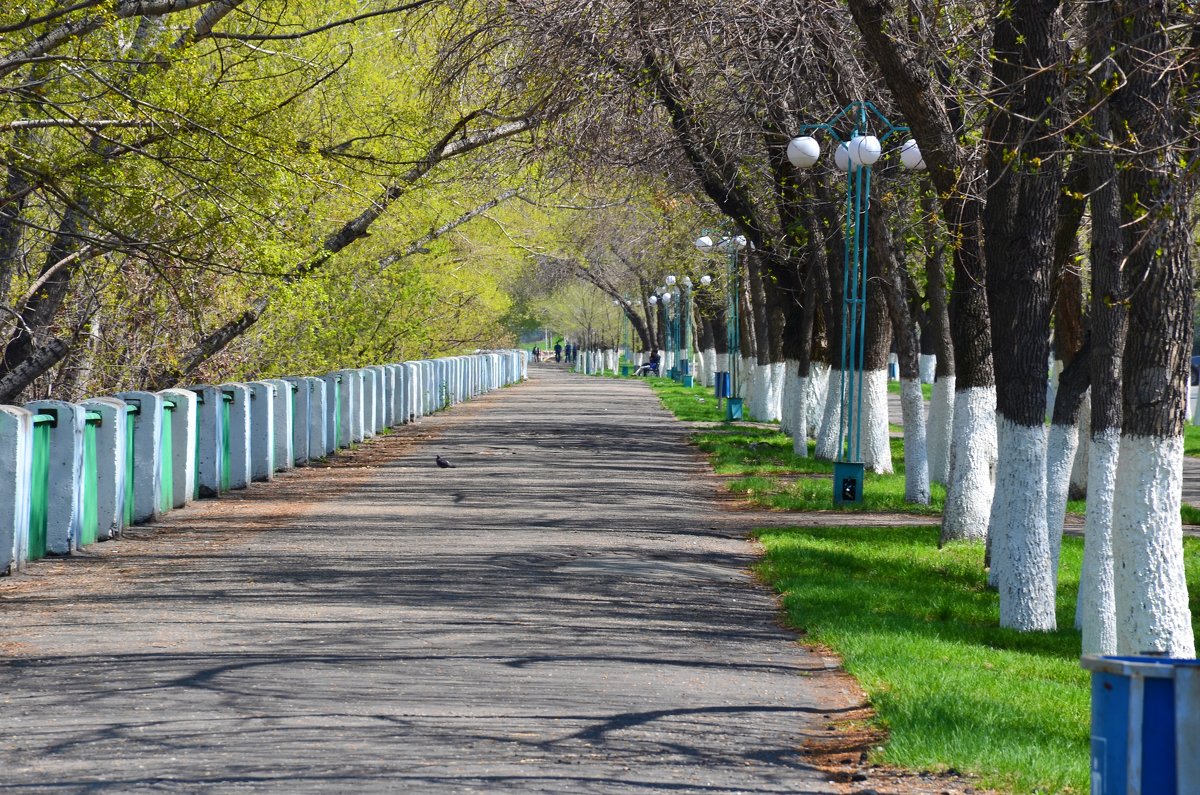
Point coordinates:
[(670, 280), (704, 243), (803, 152), (705, 280), (841, 157), (653, 300), (865, 150), (666, 298), (911, 157)]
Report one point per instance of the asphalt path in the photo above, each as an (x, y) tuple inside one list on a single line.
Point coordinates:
[(566, 611)]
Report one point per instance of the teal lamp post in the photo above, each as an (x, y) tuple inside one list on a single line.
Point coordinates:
[(854, 154), (727, 382)]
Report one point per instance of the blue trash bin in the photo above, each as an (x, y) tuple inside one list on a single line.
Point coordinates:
[(721, 386), (1145, 725)]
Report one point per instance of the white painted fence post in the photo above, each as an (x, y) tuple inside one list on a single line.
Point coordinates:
[(318, 409), (302, 405), (16, 447), (370, 381), (336, 408), (262, 431), (64, 503), (239, 434), (110, 466), (210, 462), (147, 452), (183, 445), (284, 452), (381, 397)]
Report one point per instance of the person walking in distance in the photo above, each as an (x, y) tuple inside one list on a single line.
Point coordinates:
[(558, 351)]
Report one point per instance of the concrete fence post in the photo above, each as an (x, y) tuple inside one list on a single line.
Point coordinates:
[(335, 398), (318, 410), (146, 485), (183, 445), (238, 441), (65, 487), (370, 388), (302, 405), (110, 466), (408, 379), (381, 397), (352, 382), (395, 377), (211, 411), (16, 447), (285, 399), (387, 396), (262, 431)]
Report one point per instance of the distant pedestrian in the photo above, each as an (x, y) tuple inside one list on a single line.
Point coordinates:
[(537, 353), (567, 352), (575, 354), (558, 351)]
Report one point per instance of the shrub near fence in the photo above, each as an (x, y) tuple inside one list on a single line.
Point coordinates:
[(73, 474)]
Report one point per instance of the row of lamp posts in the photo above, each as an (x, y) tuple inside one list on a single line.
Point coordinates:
[(854, 155)]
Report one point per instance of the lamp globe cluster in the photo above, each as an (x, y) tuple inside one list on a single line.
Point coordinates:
[(861, 150)]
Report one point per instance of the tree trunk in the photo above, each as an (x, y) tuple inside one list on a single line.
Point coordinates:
[(1096, 609), (894, 285), (1020, 221), (876, 440), (941, 406), (1151, 591)]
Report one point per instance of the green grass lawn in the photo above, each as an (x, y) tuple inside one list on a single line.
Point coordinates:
[(1191, 440), (692, 404), (917, 627), (777, 478), (926, 389)]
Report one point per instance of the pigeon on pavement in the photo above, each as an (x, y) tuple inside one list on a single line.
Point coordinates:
[(443, 463)]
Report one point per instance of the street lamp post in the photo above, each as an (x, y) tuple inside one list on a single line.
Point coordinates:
[(853, 155), (731, 388)]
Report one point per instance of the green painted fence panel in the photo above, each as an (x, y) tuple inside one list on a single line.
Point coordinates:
[(39, 486), (226, 453), (130, 412), (337, 411), (196, 447), (91, 481), (166, 459)]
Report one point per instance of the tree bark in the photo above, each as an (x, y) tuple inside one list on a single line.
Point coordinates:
[(1151, 591)]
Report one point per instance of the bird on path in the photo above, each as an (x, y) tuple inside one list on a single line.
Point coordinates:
[(442, 463)]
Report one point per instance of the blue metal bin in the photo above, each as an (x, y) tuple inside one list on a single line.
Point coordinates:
[(1145, 725)]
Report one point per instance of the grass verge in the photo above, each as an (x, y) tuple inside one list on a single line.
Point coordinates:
[(917, 627), (775, 477)]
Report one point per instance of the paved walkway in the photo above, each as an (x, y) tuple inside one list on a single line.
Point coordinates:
[(568, 611)]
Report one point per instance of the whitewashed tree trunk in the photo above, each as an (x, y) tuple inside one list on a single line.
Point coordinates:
[(761, 392), (938, 429), (747, 378), (972, 465), (1079, 471), (1060, 457), (777, 372), (814, 400), (788, 399), (876, 443), (916, 464), (709, 355), (831, 418), (928, 365), (800, 417), (1151, 592), (1020, 548), (1095, 612)]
